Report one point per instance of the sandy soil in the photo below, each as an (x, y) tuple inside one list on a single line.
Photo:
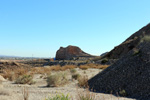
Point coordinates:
[(39, 91)]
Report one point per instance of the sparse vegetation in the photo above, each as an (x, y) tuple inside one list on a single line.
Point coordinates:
[(105, 60), (73, 71), (84, 67), (57, 79), (136, 52), (76, 76), (83, 81), (97, 66), (86, 95), (59, 97), (146, 38), (12, 74), (123, 93), (25, 79)]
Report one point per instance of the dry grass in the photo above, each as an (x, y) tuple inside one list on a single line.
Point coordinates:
[(76, 76), (97, 66), (25, 93), (12, 74), (58, 79), (25, 79), (83, 81), (86, 95), (41, 70)]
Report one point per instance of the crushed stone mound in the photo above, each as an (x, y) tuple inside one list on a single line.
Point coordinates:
[(129, 76)]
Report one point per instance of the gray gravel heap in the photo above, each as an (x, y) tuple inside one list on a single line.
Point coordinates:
[(129, 76)]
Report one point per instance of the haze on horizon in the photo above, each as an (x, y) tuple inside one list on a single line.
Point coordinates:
[(39, 28)]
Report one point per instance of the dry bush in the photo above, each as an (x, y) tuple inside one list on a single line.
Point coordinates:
[(25, 79), (84, 67), (97, 66), (68, 67), (103, 66), (76, 76), (55, 68), (85, 95), (83, 81), (73, 71), (12, 74), (58, 79), (41, 70)]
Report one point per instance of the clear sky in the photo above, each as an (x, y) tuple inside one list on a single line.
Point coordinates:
[(40, 27)]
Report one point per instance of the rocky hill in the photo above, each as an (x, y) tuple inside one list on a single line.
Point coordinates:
[(130, 75), (128, 44), (70, 52)]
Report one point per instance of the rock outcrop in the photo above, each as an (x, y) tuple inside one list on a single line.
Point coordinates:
[(130, 75), (128, 44), (70, 52)]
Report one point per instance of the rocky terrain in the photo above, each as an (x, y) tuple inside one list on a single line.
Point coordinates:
[(130, 75)]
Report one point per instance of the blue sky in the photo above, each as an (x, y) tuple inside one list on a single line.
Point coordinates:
[(40, 27)]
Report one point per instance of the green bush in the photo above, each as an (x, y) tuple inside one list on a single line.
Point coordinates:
[(25, 79), (57, 79), (59, 97), (123, 93)]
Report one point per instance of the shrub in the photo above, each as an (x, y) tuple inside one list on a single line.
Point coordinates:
[(146, 38), (86, 95), (59, 97), (57, 79), (105, 60), (25, 79), (136, 52), (73, 71), (76, 76), (84, 67), (83, 81), (123, 93), (12, 74)]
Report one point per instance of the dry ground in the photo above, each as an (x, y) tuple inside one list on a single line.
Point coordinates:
[(39, 91)]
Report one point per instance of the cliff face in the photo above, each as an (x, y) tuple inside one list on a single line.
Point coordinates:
[(70, 52), (128, 44)]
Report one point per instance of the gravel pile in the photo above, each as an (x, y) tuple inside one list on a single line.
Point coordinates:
[(129, 76)]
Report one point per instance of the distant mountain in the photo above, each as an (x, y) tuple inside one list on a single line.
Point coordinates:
[(8, 56)]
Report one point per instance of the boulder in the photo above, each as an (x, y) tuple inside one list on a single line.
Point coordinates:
[(70, 52)]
